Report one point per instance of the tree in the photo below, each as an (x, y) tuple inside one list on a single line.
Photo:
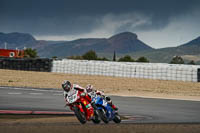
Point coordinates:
[(75, 57), (54, 57), (191, 62), (126, 58), (103, 59), (90, 55), (114, 56), (30, 53), (142, 59), (177, 60)]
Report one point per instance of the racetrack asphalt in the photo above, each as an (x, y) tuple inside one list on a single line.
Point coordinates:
[(140, 110)]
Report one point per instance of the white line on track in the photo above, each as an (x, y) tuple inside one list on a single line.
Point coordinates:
[(57, 94), (14, 93), (36, 93), (15, 88)]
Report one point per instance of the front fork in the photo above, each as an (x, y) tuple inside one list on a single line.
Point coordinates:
[(78, 106), (87, 109)]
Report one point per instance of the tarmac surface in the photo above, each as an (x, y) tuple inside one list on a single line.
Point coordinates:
[(139, 110)]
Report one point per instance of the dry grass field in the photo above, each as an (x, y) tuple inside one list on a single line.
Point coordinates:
[(64, 124), (110, 85)]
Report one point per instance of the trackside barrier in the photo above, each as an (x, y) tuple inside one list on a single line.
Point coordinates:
[(42, 65), (160, 71)]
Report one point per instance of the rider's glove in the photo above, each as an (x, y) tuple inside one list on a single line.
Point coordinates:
[(116, 108)]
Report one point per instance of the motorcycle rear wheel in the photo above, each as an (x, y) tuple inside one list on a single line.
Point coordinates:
[(80, 116)]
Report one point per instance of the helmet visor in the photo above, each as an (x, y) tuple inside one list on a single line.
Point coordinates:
[(66, 87)]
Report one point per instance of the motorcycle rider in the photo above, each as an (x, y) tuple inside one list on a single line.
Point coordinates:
[(91, 91), (70, 88)]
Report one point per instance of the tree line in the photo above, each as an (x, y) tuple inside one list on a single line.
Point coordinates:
[(179, 60), (91, 55)]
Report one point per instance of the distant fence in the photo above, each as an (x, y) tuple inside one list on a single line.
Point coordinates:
[(43, 65), (160, 71)]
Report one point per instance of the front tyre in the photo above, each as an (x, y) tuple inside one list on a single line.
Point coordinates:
[(96, 119), (80, 115), (117, 118), (102, 114)]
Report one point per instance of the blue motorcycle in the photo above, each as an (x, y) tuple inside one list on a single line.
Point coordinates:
[(106, 112)]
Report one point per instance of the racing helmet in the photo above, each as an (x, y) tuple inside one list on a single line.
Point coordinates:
[(89, 88), (108, 98), (66, 85)]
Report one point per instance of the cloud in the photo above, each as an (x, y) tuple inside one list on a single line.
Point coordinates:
[(180, 30), (108, 25), (51, 17), (158, 23), (177, 30)]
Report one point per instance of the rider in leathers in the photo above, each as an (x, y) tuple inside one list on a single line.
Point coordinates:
[(90, 90), (70, 88)]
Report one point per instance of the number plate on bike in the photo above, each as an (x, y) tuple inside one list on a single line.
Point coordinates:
[(72, 97)]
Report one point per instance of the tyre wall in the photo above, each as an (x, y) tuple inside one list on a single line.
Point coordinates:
[(43, 65), (160, 71)]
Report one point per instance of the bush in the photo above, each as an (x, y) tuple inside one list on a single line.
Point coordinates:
[(142, 59), (75, 57), (126, 58), (90, 55), (30, 53), (54, 57), (103, 59), (191, 62), (177, 60)]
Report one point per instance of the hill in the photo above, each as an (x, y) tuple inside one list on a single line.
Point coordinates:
[(188, 51), (122, 43), (17, 40), (195, 42)]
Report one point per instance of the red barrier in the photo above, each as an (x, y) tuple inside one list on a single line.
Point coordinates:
[(35, 112)]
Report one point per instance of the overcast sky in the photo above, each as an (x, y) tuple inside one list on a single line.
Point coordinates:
[(158, 23)]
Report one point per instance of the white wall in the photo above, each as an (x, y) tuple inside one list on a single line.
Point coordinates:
[(160, 71)]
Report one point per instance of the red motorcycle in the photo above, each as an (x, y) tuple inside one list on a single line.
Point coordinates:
[(82, 108)]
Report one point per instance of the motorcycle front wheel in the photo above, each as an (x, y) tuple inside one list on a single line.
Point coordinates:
[(96, 119), (80, 116), (102, 114), (117, 118)]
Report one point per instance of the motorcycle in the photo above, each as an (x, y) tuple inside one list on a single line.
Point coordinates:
[(106, 112), (82, 107)]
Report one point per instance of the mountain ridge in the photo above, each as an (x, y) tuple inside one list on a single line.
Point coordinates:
[(123, 43), (195, 41)]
